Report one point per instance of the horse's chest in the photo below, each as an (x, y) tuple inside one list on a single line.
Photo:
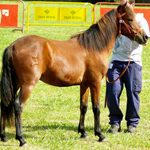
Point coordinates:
[(98, 66)]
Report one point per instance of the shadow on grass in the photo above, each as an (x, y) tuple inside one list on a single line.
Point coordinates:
[(54, 126), (63, 126), (10, 136)]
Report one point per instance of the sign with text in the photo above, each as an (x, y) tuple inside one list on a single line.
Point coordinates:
[(59, 14), (56, 13), (46, 13), (73, 14)]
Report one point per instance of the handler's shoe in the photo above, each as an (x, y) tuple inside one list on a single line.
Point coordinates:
[(114, 129), (131, 129)]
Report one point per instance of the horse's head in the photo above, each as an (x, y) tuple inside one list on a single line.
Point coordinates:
[(128, 25)]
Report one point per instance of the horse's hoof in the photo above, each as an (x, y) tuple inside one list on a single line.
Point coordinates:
[(84, 135), (86, 138), (3, 140), (25, 145), (104, 140)]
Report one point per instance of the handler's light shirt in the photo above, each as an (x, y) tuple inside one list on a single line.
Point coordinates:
[(123, 45)]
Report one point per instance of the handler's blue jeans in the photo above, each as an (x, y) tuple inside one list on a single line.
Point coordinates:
[(132, 79)]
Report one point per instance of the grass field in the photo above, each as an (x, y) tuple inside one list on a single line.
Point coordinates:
[(51, 114)]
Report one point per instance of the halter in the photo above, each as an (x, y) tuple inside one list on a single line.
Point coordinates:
[(127, 26)]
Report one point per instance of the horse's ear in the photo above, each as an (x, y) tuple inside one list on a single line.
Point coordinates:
[(121, 8)]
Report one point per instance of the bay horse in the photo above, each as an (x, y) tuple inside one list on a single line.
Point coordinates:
[(81, 60)]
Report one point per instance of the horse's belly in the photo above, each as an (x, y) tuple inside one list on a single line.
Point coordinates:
[(60, 79)]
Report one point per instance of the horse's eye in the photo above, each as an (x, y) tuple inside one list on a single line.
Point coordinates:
[(130, 20)]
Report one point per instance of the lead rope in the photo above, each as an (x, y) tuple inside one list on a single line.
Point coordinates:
[(121, 73)]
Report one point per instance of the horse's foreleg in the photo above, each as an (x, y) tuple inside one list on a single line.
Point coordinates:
[(23, 95), (95, 96), (84, 92)]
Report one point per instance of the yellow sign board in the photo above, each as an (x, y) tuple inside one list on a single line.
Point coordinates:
[(73, 14), (46, 13), (63, 13), (59, 14)]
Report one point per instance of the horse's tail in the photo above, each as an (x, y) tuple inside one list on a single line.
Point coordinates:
[(7, 86)]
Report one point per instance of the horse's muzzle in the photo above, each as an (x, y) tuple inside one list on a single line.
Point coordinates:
[(145, 39)]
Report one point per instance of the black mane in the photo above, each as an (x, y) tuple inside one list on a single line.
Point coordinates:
[(98, 36)]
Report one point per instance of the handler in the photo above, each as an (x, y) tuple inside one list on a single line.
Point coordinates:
[(132, 79)]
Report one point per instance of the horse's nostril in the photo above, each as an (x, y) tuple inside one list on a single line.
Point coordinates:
[(146, 38)]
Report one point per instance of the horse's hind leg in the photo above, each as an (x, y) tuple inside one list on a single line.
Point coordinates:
[(2, 126), (95, 96), (6, 115), (84, 92), (19, 102)]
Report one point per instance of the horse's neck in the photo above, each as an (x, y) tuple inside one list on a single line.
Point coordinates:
[(112, 28), (111, 45)]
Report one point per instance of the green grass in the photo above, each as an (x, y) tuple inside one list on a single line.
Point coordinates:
[(51, 114)]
